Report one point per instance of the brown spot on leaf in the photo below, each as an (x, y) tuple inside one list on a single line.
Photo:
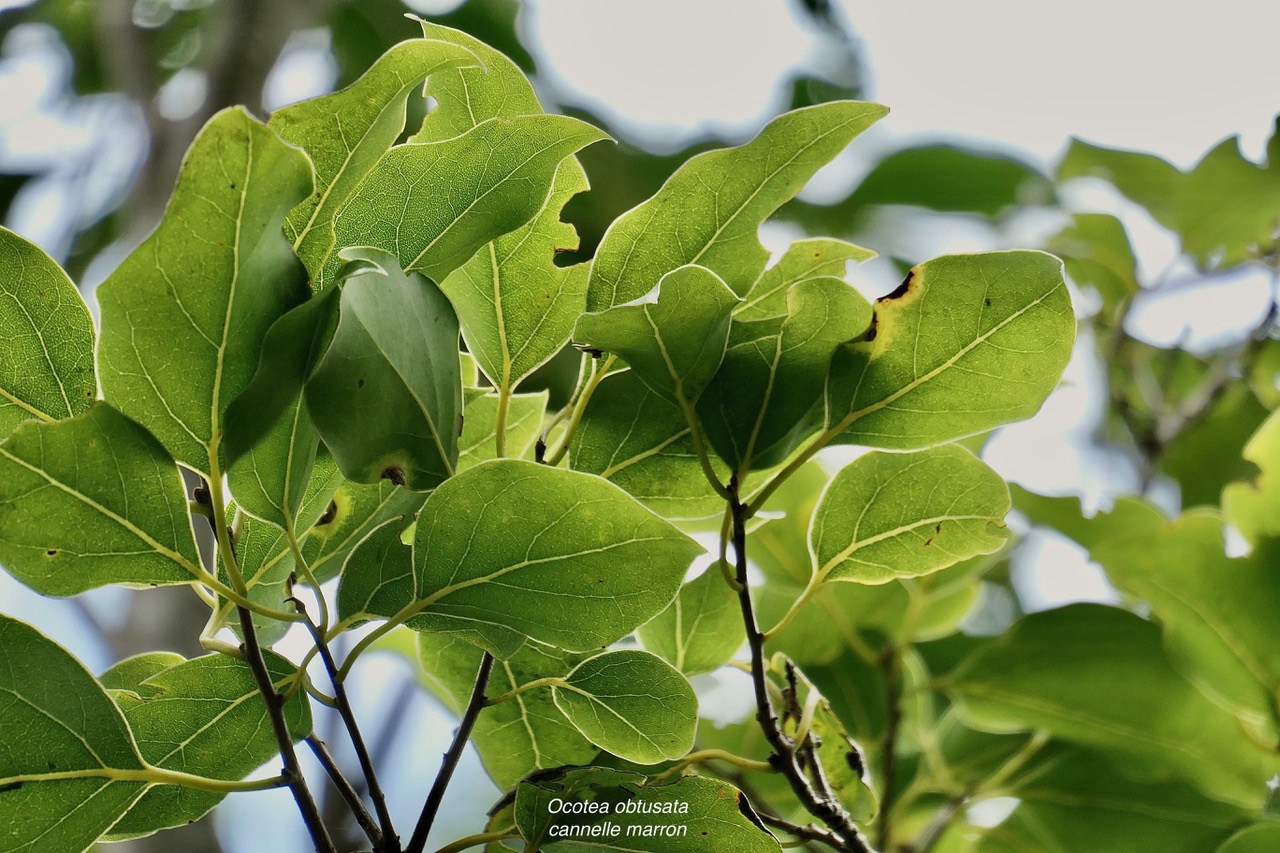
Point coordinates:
[(330, 513), (52, 552), (395, 474), (901, 290), (12, 786)]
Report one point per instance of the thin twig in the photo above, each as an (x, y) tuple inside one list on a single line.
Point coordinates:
[(390, 841), (344, 787), (830, 812), (809, 831), (889, 664), (418, 843)]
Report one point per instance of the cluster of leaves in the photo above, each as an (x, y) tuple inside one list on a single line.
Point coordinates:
[(290, 335)]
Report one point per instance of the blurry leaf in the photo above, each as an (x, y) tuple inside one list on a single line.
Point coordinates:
[(1098, 676), (803, 259), (523, 734), (58, 720), (480, 427), (1217, 612), (707, 816), (966, 343), (386, 395), (1142, 178), (764, 401), (631, 703), (91, 501), (433, 204), (1264, 379), (1253, 508), (1259, 838), (345, 134), (701, 629), (46, 338), (936, 177), (204, 717), (184, 316), (570, 561), (1097, 254), (890, 515), (723, 196), (673, 339), (1065, 515), (1206, 455), (1076, 801)]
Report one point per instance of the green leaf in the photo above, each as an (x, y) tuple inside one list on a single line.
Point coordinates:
[(1066, 516), (1098, 676), (896, 515), (46, 338), (516, 307), (701, 629), (1259, 838), (631, 703), (1254, 508), (523, 734), (433, 204), (91, 501), (1144, 179), (204, 717), (184, 317), (480, 427), (569, 560), (1216, 611), (719, 199), (68, 764), (1097, 254), (804, 259), (354, 512), (674, 339), (765, 398), (637, 440), (377, 576), (965, 344), (1075, 800), (692, 815), (345, 134), (1206, 456), (270, 481), (386, 395)]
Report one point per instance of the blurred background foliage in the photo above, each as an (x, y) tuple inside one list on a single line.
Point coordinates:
[(1177, 367)]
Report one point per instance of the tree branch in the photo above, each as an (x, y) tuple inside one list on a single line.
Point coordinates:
[(830, 812), (418, 842), (889, 665), (345, 789)]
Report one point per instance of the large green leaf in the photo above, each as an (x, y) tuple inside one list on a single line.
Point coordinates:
[(674, 339), (965, 344), (634, 438), (184, 317), (433, 204), (204, 717), (68, 764), (345, 134), (691, 815), (46, 338), (91, 501), (1074, 800), (803, 259), (1217, 612), (1066, 516), (478, 441), (601, 698), (765, 398), (702, 627), (523, 734), (1259, 838), (708, 212), (1254, 508), (386, 395), (510, 550), (1098, 676), (896, 515), (352, 514)]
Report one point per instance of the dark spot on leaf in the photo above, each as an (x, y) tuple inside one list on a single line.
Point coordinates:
[(360, 383), (233, 186), (52, 552), (854, 760), (200, 495), (870, 334), (53, 765), (12, 786), (928, 542), (937, 528), (395, 474), (330, 513), (901, 290), (749, 813), (986, 302), (460, 420)]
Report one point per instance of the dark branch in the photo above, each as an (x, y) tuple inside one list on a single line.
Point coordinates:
[(451, 758), (843, 829), (345, 789)]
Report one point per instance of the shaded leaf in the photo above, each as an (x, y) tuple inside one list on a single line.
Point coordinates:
[(354, 512), (701, 629), (1259, 838), (480, 427), (215, 275), (46, 338), (1253, 508), (1065, 515), (1097, 254)]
